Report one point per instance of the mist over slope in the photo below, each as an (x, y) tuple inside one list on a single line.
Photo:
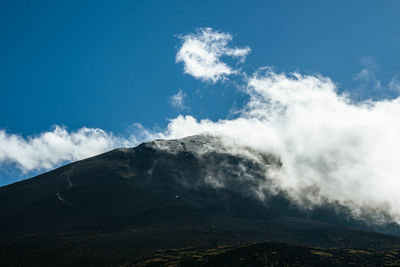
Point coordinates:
[(331, 149)]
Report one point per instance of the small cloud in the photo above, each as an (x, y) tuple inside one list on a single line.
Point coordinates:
[(201, 54), (177, 100)]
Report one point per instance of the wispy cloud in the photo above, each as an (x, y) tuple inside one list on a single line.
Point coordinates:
[(178, 100), (368, 79), (394, 83), (369, 63), (201, 54), (369, 86)]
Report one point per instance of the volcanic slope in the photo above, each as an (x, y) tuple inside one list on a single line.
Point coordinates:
[(124, 205)]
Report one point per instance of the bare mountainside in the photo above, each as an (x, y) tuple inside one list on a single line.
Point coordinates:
[(123, 206)]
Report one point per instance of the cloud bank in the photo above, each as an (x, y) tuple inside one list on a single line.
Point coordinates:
[(52, 148), (332, 150)]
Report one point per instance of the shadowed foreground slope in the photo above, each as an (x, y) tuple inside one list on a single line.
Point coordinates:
[(123, 206)]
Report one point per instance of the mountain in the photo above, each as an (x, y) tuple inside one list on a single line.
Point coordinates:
[(125, 206)]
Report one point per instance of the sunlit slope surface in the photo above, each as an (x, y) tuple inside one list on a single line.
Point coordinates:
[(122, 206)]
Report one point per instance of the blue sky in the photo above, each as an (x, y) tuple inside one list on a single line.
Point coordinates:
[(108, 65)]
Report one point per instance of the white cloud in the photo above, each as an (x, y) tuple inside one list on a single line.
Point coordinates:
[(52, 148), (177, 100), (201, 54)]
